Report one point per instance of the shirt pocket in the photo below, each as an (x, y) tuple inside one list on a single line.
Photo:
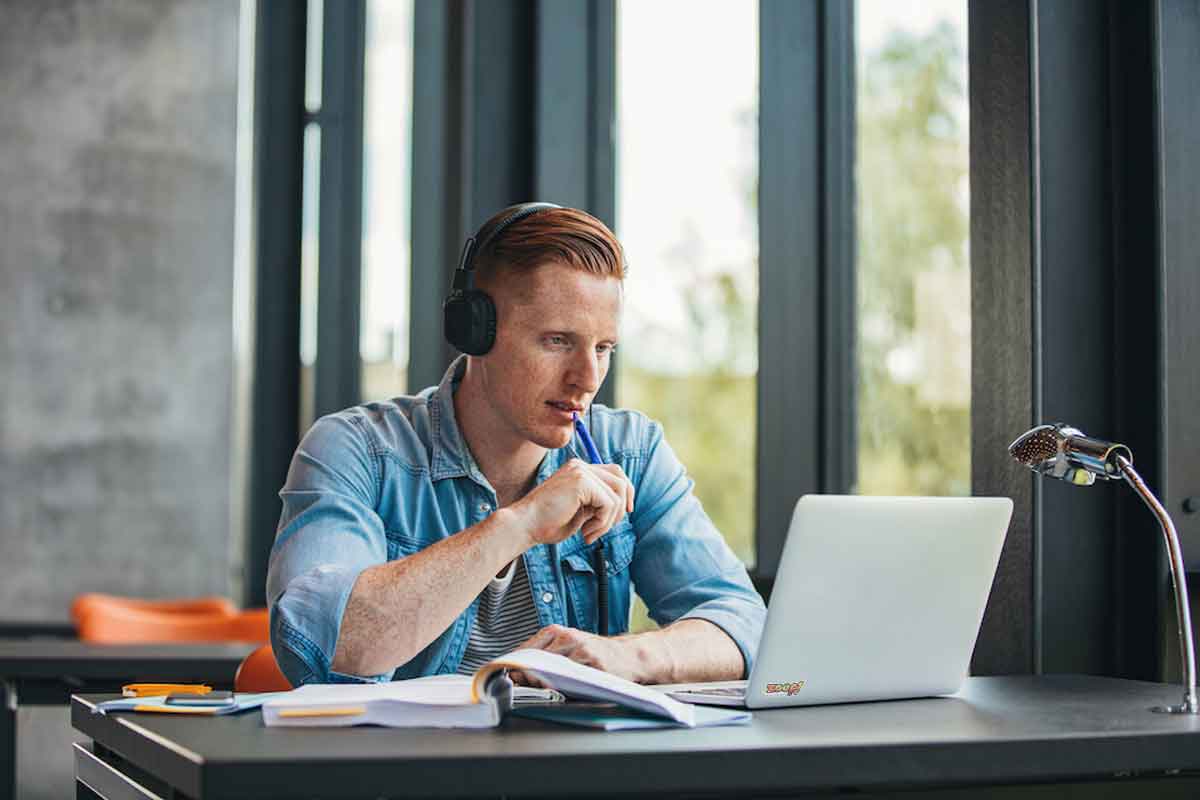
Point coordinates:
[(401, 544), (580, 576)]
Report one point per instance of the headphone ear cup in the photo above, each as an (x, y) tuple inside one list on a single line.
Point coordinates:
[(469, 321)]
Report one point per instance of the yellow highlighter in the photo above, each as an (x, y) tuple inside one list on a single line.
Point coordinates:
[(346, 711), (160, 689)]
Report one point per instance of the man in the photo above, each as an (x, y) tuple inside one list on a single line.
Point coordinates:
[(434, 532)]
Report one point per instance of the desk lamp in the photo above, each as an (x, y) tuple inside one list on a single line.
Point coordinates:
[(1063, 452)]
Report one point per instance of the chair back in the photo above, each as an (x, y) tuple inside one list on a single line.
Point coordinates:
[(97, 603), (259, 672), (109, 620)]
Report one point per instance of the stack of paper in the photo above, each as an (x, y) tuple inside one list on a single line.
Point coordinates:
[(437, 702)]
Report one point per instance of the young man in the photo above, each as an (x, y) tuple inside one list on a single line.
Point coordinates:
[(434, 532)]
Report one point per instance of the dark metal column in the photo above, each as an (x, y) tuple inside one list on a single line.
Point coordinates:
[(1075, 530), (339, 285), (806, 262), (278, 165), (473, 144), (436, 75), (1003, 282), (839, 371)]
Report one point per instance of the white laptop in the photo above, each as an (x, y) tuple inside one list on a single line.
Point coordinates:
[(875, 598)]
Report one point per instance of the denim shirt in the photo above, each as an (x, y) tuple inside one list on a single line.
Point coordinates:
[(380, 481)]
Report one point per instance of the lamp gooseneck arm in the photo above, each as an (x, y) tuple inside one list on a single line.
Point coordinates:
[(1183, 614)]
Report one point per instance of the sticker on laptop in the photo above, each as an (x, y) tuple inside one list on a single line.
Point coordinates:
[(790, 689)]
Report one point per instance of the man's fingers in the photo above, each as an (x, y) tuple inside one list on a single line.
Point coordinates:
[(605, 498), (619, 482), (540, 639), (564, 645), (585, 514), (524, 679), (619, 502)]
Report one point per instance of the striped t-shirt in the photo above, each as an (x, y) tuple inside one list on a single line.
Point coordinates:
[(506, 618)]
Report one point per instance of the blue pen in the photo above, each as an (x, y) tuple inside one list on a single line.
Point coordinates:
[(598, 558), (588, 444)]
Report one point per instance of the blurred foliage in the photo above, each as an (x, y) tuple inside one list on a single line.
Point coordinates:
[(709, 420), (709, 417), (913, 224)]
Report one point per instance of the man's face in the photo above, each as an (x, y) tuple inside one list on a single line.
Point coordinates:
[(557, 327)]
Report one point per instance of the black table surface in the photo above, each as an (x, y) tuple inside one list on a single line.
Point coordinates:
[(48, 658), (996, 730)]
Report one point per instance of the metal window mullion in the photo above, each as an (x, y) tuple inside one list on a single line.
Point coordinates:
[(434, 139), (838, 248), (601, 150), (338, 365), (790, 313), (278, 167)]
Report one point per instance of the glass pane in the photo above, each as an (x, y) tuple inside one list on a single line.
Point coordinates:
[(914, 304), (387, 137), (687, 177), (310, 216)]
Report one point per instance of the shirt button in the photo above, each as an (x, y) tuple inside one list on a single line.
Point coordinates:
[(547, 597), (484, 508)]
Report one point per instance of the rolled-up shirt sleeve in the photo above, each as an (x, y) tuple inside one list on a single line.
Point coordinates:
[(328, 534), (682, 567)]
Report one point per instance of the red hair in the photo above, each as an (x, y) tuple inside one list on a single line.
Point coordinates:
[(563, 235)]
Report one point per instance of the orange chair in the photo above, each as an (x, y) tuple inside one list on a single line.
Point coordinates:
[(108, 620), (96, 603), (259, 672)]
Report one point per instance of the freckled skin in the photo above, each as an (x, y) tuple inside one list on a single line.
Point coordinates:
[(556, 329)]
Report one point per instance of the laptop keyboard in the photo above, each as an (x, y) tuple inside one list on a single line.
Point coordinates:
[(721, 691)]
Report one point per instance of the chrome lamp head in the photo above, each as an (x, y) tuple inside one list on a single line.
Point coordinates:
[(1063, 452)]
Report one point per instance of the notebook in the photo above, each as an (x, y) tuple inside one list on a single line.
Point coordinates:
[(241, 702), (480, 700)]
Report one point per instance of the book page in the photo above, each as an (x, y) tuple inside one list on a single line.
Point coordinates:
[(576, 680), (439, 690)]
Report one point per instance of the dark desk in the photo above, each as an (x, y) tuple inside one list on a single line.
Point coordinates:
[(48, 671), (999, 732)]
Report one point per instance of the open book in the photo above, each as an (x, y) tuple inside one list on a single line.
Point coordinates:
[(481, 700)]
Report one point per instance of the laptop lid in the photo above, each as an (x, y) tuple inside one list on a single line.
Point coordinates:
[(877, 598)]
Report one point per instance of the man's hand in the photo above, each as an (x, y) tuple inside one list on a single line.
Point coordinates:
[(591, 496), (684, 651), (616, 655)]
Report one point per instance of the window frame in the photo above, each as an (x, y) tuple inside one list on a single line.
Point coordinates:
[(806, 427)]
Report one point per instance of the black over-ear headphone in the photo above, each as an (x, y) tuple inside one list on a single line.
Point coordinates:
[(469, 314)]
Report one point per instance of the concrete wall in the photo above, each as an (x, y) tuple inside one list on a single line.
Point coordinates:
[(117, 131)]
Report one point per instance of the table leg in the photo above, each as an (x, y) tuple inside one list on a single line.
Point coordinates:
[(8, 739)]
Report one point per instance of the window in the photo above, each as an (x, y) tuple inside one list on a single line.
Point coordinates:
[(687, 172), (387, 137), (913, 278), (383, 270), (310, 213)]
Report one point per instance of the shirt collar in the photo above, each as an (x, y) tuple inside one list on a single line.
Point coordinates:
[(450, 457)]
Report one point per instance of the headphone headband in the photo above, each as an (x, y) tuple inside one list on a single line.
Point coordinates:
[(464, 275)]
